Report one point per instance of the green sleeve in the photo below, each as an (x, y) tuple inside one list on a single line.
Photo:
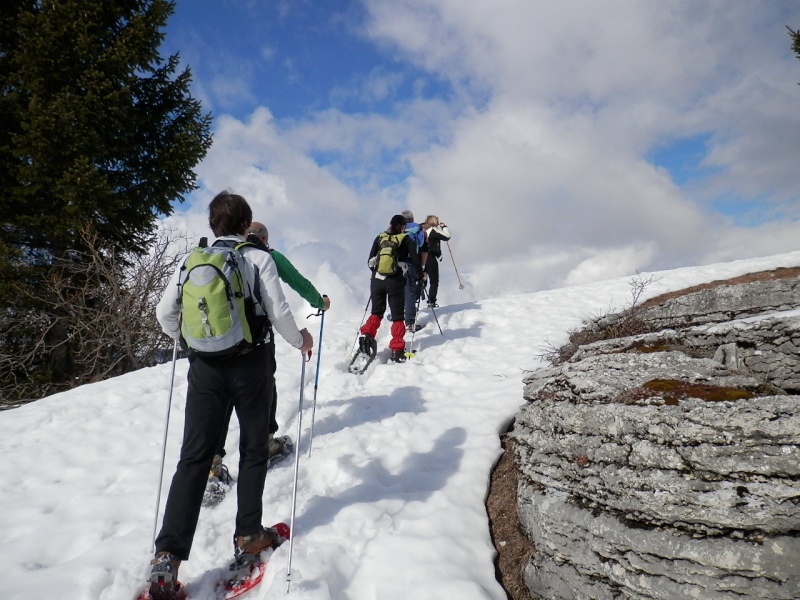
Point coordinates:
[(293, 278)]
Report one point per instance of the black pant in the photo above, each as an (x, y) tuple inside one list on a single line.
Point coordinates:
[(432, 269), (245, 381), (273, 422), (391, 289), (412, 292)]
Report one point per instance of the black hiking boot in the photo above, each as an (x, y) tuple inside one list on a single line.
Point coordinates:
[(367, 344), (398, 356)]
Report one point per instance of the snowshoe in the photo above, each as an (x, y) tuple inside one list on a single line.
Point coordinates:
[(367, 350), (219, 484), (248, 566), (282, 448), (152, 593), (164, 584)]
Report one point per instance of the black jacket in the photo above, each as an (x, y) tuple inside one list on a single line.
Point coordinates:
[(437, 235)]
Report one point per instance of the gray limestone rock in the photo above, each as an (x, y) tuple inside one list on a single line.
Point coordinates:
[(667, 464), (583, 553)]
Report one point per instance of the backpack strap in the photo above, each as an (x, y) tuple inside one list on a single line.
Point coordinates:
[(254, 240), (257, 280), (226, 243), (245, 244)]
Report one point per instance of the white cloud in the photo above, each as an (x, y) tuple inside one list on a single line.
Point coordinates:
[(517, 180), (268, 53), (536, 159), (579, 92), (610, 264), (376, 86)]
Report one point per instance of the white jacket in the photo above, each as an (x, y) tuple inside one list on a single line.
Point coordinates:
[(442, 230), (273, 302)]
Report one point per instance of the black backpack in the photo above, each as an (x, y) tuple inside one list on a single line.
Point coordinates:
[(434, 247)]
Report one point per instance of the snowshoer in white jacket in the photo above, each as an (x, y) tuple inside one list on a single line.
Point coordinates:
[(244, 379)]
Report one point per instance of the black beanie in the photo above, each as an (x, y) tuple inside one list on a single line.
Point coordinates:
[(398, 220)]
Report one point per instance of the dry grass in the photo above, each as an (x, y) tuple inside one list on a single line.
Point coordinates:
[(513, 548), (672, 391)]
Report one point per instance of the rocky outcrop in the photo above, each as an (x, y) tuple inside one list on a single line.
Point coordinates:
[(667, 464)]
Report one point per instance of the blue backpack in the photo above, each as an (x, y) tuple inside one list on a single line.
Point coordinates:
[(414, 231)]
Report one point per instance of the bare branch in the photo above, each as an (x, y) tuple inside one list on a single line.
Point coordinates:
[(92, 318)]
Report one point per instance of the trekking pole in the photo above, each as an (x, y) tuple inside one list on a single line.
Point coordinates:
[(358, 332), (296, 471), (460, 285), (164, 445), (321, 314), (410, 353), (435, 318)]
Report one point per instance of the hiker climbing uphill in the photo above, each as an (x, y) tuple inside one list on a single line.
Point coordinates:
[(415, 273), (436, 232), (279, 447), (229, 362), (391, 252)]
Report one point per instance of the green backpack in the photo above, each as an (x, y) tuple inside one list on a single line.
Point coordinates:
[(218, 309), (387, 253)]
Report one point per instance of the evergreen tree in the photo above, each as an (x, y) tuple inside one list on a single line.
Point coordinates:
[(97, 130)]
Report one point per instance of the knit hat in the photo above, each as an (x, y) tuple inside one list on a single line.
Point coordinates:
[(398, 220), (409, 216)]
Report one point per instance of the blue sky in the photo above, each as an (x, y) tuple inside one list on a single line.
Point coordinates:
[(682, 158), (297, 57), (569, 141)]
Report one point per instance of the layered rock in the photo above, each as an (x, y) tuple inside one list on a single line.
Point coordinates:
[(667, 465)]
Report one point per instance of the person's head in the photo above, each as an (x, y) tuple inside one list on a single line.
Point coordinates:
[(408, 216), (397, 224), (431, 221), (260, 231), (229, 214)]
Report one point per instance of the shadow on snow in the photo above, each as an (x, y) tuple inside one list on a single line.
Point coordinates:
[(422, 474)]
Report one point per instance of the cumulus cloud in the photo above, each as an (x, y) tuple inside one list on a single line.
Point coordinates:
[(579, 92), (537, 154)]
